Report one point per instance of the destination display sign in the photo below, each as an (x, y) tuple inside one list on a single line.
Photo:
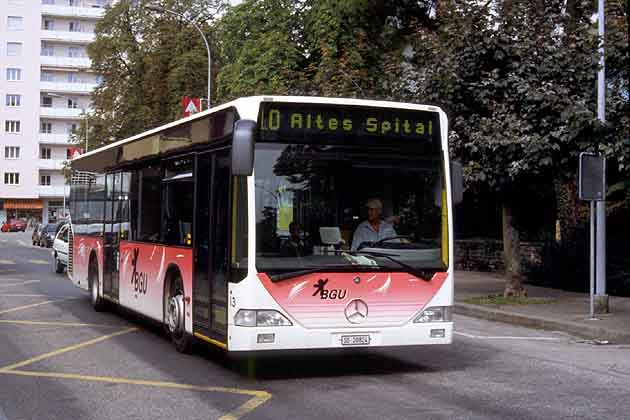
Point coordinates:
[(340, 124)]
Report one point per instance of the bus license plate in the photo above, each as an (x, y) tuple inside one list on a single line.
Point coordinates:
[(355, 340)]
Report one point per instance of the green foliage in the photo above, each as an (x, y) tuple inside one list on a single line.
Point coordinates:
[(260, 49), (148, 61), (519, 89)]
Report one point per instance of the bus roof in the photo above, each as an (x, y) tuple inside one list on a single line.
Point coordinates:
[(107, 156)]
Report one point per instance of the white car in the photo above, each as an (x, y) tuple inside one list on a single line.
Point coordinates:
[(60, 249)]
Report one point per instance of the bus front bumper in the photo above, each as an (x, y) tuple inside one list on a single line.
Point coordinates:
[(297, 337)]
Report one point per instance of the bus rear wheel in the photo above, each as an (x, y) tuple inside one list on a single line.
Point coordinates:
[(97, 301), (174, 305)]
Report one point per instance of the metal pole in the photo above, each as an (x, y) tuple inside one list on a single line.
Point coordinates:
[(601, 115), (86, 133), (592, 276)]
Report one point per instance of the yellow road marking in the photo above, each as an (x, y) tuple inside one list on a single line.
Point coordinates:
[(259, 397), (7, 262), (33, 305), (40, 262), (55, 324), (20, 284), (67, 349)]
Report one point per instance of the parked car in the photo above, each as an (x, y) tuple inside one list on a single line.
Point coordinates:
[(60, 249), (37, 228), (47, 236), (14, 225)]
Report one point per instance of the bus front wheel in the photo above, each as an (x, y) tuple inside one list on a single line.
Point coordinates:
[(174, 317), (97, 301)]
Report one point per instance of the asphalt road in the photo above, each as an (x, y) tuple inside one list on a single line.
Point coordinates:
[(61, 360)]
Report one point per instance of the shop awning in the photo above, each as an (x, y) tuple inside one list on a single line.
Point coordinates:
[(15, 204)]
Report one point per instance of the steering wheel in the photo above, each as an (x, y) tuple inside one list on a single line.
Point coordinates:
[(391, 238)]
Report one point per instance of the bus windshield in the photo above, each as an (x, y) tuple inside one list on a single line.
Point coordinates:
[(348, 208)]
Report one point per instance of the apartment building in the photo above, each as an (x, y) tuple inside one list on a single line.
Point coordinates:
[(45, 83)]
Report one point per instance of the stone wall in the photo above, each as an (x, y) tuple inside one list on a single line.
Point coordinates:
[(487, 255)]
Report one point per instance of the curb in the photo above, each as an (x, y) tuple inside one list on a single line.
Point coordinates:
[(581, 330)]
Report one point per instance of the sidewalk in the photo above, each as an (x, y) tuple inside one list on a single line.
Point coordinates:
[(568, 312)]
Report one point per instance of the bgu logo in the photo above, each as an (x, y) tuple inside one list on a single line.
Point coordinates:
[(139, 280), (328, 294)]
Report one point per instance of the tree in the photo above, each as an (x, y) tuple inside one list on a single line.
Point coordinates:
[(259, 48), (518, 88), (148, 62), (311, 47)]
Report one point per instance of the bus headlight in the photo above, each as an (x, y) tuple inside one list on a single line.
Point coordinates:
[(435, 314), (260, 318)]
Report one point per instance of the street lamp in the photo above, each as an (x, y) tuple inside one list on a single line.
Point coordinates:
[(160, 9)]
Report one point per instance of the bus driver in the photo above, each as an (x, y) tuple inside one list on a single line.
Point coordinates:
[(373, 229)]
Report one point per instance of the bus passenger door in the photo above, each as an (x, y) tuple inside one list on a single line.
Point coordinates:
[(211, 245), (111, 241)]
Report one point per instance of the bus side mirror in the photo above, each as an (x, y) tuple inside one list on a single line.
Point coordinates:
[(243, 141), (457, 181)]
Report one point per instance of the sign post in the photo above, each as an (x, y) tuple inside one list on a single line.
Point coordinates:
[(592, 187)]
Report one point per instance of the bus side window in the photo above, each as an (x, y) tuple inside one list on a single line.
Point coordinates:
[(150, 193)]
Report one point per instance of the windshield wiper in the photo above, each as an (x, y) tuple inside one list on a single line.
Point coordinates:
[(291, 274), (421, 274)]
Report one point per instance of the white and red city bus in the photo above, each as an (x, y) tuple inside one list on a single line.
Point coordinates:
[(246, 225)]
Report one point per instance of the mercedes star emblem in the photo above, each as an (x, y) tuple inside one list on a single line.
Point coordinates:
[(356, 311)]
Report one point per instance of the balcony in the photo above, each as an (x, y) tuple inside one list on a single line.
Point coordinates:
[(62, 139), (53, 190), (67, 36), (51, 164), (66, 62), (80, 88), (73, 12), (58, 112)]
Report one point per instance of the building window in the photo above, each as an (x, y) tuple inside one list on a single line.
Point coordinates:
[(14, 49), (74, 52), (73, 78), (47, 102), (12, 126), (12, 178), (15, 23), (45, 127), (47, 50), (48, 25), (44, 180), (14, 75), (48, 1), (47, 76), (16, 2), (71, 128), (45, 153), (11, 152), (68, 154), (73, 103), (74, 26), (14, 100)]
